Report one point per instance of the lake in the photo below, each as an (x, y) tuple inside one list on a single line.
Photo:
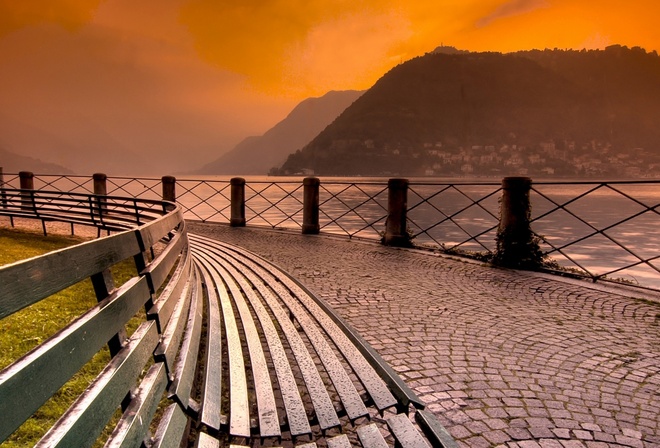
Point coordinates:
[(599, 228)]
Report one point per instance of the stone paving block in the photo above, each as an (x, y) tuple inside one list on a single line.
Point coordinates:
[(573, 444), (562, 433), (519, 433), (597, 445)]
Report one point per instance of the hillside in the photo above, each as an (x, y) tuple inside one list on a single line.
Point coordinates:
[(14, 163), (257, 155), (549, 112)]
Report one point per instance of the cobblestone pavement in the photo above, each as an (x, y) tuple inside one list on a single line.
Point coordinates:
[(504, 358)]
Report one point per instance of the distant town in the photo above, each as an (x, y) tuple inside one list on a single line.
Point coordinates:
[(545, 159), (549, 158)]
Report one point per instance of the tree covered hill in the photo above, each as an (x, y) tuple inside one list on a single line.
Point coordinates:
[(534, 112)]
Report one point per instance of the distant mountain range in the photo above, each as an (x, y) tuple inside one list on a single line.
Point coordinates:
[(257, 155), (14, 163), (449, 112), (89, 148)]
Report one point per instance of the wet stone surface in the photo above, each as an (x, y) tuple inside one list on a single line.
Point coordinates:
[(503, 358)]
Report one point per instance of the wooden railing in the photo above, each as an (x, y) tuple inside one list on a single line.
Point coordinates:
[(144, 364)]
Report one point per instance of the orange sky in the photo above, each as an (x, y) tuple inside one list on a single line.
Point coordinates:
[(188, 79)]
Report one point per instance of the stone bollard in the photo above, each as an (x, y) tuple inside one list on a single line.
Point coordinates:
[(517, 246), (3, 193), (396, 227), (100, 184), (100, 189), (237, 202), (26, 182), (311, 206), (169, 188)]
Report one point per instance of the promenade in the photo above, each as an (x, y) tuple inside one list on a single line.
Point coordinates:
[(504, 358)]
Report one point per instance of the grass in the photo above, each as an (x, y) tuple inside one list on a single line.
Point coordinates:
[(24, 330)]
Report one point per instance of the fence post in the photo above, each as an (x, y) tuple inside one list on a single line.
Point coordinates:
[(237, 202), (100, 189), (169, 188), (3, 193), (517, 246), (311, 206), (396, 226), (100, 185), (26, 182)]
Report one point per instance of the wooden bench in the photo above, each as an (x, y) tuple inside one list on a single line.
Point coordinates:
[(292, 370), (228, 350), (159, 357), (106, 213)]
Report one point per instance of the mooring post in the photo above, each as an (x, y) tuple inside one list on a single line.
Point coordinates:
[(396, 226), (100, 190), (26, 179), (26, 182), (311, 206), (237, 202), (3, 193), (516, 244), (169, 188), (100, 184)]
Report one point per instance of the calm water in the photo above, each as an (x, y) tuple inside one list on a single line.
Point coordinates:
[(444, 215)]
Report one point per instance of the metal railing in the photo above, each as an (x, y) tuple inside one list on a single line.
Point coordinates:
[(596, 230), (619, 220)]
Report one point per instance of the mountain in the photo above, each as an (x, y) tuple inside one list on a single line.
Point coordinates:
[(14, 163), (554, 112), (257, 155), (87, 149)]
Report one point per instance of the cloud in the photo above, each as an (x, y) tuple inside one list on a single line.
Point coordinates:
[(70, 14), (274, 41), (510, 9)]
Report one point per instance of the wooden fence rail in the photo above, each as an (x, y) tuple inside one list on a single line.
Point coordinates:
[(143, 365)]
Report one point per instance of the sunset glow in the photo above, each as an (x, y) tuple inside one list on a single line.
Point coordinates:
[(203, 74)]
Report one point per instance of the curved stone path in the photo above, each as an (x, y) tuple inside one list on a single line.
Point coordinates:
[(504, 358)]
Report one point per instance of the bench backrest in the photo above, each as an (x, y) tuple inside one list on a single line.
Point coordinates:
[(141, 366)]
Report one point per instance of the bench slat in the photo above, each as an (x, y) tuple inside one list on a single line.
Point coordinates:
[(269, 425), (239, 411), (170, 428), (323, 406), (370, 436), (206, 441), (28, 281), (339, 442), (351, 400), (164, 306), (350, 397), (212, 390), (378, 390), (349, 340), (156, 230), (133, 427), (161, 266), (33, 379), (405, 432), (85, 419), (187, 359), (296, 416), (171, 337)]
